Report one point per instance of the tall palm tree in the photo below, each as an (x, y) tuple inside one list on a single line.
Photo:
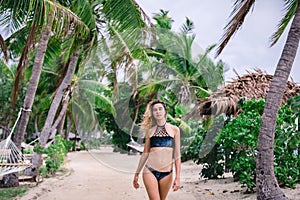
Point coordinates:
[(266, 184), (125, 49), (44, 13), (41, 14), (177, 66)]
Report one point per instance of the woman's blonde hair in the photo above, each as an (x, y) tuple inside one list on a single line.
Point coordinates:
[(148, 119)]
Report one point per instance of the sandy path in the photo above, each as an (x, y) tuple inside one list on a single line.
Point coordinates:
[(105, 175)]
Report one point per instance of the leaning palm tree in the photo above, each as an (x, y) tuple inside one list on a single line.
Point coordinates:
[(42, 14), (266, 184)]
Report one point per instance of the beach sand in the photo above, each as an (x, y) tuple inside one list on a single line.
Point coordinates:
[(107, 175)]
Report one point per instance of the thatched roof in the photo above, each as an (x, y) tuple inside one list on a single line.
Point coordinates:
[(252, 85)]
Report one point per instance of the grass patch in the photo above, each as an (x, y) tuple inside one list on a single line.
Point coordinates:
[(12, 192)]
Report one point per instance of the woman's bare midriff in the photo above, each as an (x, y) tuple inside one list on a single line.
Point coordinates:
[(160, 158)]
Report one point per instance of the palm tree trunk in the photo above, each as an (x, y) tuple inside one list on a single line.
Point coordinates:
[(61, 124), (116, 86), (45, 133), (33, 84), (44, 136), (266, 184), (30, 94), (60, 118)]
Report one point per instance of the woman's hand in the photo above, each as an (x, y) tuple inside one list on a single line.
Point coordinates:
[(176, 185), (135, 181)]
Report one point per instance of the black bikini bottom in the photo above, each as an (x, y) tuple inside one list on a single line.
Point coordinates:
[(158, 175)]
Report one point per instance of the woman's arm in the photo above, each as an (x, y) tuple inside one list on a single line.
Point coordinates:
[(177, 158), (142, 162)]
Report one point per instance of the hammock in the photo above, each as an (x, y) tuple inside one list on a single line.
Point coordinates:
[(11, 158), (133, 144)]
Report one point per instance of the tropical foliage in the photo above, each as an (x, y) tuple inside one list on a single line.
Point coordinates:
[(236, 147), (78, 66), (266, 184)]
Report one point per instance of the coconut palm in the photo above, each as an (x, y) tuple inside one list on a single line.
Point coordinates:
[(42, 15), (85, 10), (175, 67), (266, 184), (32, 12)]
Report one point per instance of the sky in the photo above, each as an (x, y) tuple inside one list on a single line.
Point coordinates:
[(248, 49)]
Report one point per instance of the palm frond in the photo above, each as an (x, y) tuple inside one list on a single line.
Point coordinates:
[(188, 26), (156, 84), (65, 21), (240, 10), (13, 15), (78, 108), (95, 92), (163, 20), (290, 10), (118, 10), (6, 69), (145, 17), (93, 84)]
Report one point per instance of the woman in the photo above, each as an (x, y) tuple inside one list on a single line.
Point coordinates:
[(161, 150)]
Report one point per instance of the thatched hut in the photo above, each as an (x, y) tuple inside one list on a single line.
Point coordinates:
[(249, 86)]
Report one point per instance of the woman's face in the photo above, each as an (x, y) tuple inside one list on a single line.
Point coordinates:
[(158, 111)]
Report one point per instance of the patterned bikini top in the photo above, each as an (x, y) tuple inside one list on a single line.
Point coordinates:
[(161, 138)]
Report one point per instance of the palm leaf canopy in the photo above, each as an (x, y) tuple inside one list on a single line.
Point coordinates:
[(253, 85)]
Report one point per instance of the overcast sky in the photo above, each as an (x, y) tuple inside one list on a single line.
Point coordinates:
[(250, 46)]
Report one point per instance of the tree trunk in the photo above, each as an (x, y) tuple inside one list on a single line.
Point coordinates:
[(58, 98), (31, 90), (60, 118), (45, 133), (69, 126), (32, 86), (60, 126), (266, 184)]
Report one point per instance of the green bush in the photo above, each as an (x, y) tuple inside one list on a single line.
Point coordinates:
[(236, 147), (56, 154), (239, 142), (203, 151)]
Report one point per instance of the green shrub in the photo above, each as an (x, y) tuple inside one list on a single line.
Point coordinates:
[(56, 153), (239, 142), (236, 147), (202, 149)]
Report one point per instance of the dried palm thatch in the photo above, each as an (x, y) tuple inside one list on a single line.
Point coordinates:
[(250, 86)]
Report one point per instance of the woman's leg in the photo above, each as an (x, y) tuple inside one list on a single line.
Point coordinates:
[(164, 186), (151, 185)]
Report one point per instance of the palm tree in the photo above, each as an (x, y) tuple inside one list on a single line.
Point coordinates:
[(175, 65), (47, 10), (266, 184)]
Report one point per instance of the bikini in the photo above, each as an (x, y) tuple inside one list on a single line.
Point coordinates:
[(160, 138)]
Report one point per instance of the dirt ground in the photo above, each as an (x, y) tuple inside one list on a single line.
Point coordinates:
[(106, 175)]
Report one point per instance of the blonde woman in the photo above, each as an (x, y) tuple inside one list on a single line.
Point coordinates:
[(161, 151)]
